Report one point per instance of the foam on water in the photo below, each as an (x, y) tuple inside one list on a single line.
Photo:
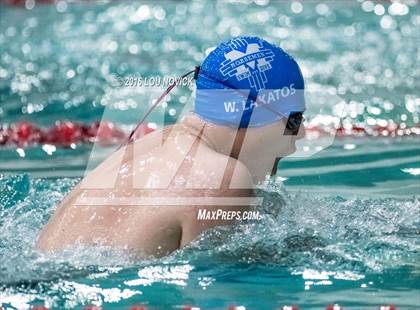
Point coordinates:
[(316, 238)]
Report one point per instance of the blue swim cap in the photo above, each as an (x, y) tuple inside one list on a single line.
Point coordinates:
[(248, 82)]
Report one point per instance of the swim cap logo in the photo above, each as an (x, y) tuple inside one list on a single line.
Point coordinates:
[(250, 64)]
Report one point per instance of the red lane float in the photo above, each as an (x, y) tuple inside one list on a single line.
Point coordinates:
[(64, 134), (92, 307), (21, 3), (138, 308), (292, 307), (190, 308), (67, 133), (392, 130), (388, 307), (39, 308)]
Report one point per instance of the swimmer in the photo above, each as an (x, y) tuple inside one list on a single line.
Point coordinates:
[(247, 115)]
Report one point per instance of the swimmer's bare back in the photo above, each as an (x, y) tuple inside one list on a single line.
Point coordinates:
[(168, 170)]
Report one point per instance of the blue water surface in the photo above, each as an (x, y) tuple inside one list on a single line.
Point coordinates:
[(341, 226)]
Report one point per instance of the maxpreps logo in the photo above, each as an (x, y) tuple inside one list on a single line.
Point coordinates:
[(248, 61)]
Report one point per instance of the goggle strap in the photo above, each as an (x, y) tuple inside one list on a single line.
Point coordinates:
[(196, 71)]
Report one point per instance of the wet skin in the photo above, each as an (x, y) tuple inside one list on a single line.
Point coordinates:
[(152, 168)]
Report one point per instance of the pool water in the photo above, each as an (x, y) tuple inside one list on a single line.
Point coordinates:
[(340, 227)]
